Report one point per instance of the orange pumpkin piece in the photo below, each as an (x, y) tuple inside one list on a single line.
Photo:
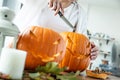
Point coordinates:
[(42, 45), (90, 73), (77, 56)]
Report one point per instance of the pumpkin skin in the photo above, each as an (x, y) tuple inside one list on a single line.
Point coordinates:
[(42, 45), (77, 56)]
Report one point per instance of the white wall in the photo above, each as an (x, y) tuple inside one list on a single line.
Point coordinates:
[(12, 4), (103, 16), (1, 2), (105, 20)]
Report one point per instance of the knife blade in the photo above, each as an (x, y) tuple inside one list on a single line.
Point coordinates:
[(65, 20)]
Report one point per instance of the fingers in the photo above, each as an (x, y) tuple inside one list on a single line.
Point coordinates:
[(50, 4), (92, 44), (94, 51), (59, 8), (93, 55), (56, 6)]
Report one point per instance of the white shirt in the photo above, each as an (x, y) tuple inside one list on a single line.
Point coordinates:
[(36, 12)]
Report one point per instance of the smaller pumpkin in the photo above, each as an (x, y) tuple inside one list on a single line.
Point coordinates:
[(77, 55), (42, 45)]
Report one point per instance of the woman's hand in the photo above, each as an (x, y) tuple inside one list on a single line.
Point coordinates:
[(94, 51), (56, 6)]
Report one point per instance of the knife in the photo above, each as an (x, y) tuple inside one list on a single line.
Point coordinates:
[(65, 20)]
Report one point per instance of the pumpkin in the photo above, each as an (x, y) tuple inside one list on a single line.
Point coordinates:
[(42, 45), (77, 55)]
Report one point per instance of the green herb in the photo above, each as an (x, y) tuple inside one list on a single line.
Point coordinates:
[(51, 71), (34, 75), (50, 67), (69, 76)]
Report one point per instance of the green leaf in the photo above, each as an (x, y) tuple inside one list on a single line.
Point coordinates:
[(65, 77), (69, 76), (34, 75), (77, 73), (50, 67), (50, 78)]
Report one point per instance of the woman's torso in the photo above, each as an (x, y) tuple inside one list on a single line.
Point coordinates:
[(47, 19), (33, 14)]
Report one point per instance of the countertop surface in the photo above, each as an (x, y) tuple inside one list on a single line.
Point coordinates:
[(109, 78)]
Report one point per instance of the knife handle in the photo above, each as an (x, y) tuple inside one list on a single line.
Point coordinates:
[(60, 14)]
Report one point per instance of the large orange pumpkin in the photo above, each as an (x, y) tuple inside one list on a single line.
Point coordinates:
[(42, 45), (77, 56)]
